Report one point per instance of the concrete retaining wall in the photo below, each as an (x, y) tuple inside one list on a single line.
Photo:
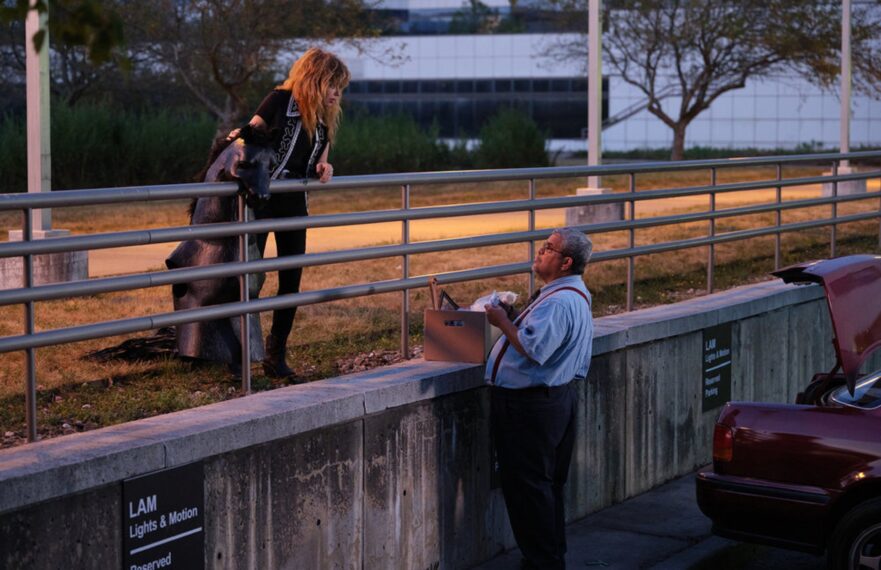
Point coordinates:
[(392, 468)]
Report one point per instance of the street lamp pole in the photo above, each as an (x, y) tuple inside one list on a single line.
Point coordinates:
[(845, 81), (594, 89), (37, 88)]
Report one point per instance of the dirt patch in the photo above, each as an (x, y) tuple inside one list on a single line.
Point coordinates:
[(374, 359), (160, 344)]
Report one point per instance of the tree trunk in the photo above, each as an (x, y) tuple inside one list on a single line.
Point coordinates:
[(678, 152), (230, 119)]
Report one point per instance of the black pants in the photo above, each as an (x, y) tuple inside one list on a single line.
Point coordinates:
[(287, 243), (534, 434)]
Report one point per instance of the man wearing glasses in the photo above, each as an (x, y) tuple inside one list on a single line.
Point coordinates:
[(530, 370)]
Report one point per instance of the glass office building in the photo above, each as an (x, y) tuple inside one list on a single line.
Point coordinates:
[(457, 80), (458, 108)]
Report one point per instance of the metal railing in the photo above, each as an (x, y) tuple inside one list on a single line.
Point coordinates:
[(30, 293)]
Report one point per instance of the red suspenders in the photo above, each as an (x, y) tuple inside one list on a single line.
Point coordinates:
[(507, 343)]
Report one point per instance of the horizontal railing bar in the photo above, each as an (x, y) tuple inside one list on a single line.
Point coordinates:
[(729, 236), (656, 221), (227, 310), (126, 326), (185, 275), (220, 230), (726, 188), (28, 247), (795, 204), (234, 269), (189, 190), (93, 196), (468, 176)]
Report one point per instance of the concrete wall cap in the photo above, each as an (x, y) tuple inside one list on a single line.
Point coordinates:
[(74, 463)]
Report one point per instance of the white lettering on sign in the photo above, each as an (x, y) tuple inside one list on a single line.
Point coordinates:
[(153, 564), (141, 530), (147, 505), (175, 517), (716, 362)]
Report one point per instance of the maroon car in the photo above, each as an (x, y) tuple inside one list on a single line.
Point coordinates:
[(807, 476)]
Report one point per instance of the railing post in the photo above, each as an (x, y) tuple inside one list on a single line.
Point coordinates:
[(833, 234), (30, 354), (778, 218), (631, 267), (531, 245), (244, 294), (405, 272), (711, 230)]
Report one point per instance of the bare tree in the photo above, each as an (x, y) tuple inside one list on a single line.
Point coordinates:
[(218, 47), (215, 48), (700, 49)]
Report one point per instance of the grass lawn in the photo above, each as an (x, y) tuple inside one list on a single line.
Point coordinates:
[(77, 393)]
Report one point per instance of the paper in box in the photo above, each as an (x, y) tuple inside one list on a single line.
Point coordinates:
[(458, 336)]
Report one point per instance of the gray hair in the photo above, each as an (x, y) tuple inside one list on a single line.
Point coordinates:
[(577, 246)]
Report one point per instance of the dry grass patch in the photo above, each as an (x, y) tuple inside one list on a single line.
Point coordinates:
[(76, 393)]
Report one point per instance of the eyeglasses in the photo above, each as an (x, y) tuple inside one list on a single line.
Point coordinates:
[(547, 247)]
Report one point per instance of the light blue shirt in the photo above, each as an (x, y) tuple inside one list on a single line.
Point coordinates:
[(557, 335)]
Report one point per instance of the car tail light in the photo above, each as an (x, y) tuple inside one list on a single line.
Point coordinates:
[(723, 443)]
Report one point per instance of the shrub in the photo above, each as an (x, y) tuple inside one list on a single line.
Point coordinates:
[(388, 143), (511, 139), (455, 156), (99, 147), (13, 153)]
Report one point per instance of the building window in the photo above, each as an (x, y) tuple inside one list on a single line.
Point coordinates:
[(460, 107)]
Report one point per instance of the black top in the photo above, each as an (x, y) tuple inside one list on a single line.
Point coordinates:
[(279, 111)]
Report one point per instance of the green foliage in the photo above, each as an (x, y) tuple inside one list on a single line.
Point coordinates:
[(391, 143), (456, 157), (88, 23), (13, 153), (96, 146), (511, 139), (99, 147)]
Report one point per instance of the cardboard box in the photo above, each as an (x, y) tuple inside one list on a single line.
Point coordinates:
[(458, 336)]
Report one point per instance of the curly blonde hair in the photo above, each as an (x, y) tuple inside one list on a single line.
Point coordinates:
[(309, 79)]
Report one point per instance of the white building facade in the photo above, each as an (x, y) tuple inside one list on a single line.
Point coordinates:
[(457, 81)]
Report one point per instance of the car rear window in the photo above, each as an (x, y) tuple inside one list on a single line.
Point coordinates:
[(866, 394)]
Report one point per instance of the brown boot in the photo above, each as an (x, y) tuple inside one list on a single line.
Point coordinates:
[(274, 364)]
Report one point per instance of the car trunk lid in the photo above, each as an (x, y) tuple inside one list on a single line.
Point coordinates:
[(853, 293)]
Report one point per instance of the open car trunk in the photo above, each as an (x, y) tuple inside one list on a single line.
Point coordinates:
[(853, 294)]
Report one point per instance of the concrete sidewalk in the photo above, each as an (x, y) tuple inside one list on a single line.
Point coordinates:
[(662, 529)]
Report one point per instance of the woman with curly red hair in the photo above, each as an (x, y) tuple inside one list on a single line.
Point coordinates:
[(303, 114)]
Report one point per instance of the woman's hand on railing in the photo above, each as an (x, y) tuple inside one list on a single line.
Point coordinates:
[(324, 170)]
